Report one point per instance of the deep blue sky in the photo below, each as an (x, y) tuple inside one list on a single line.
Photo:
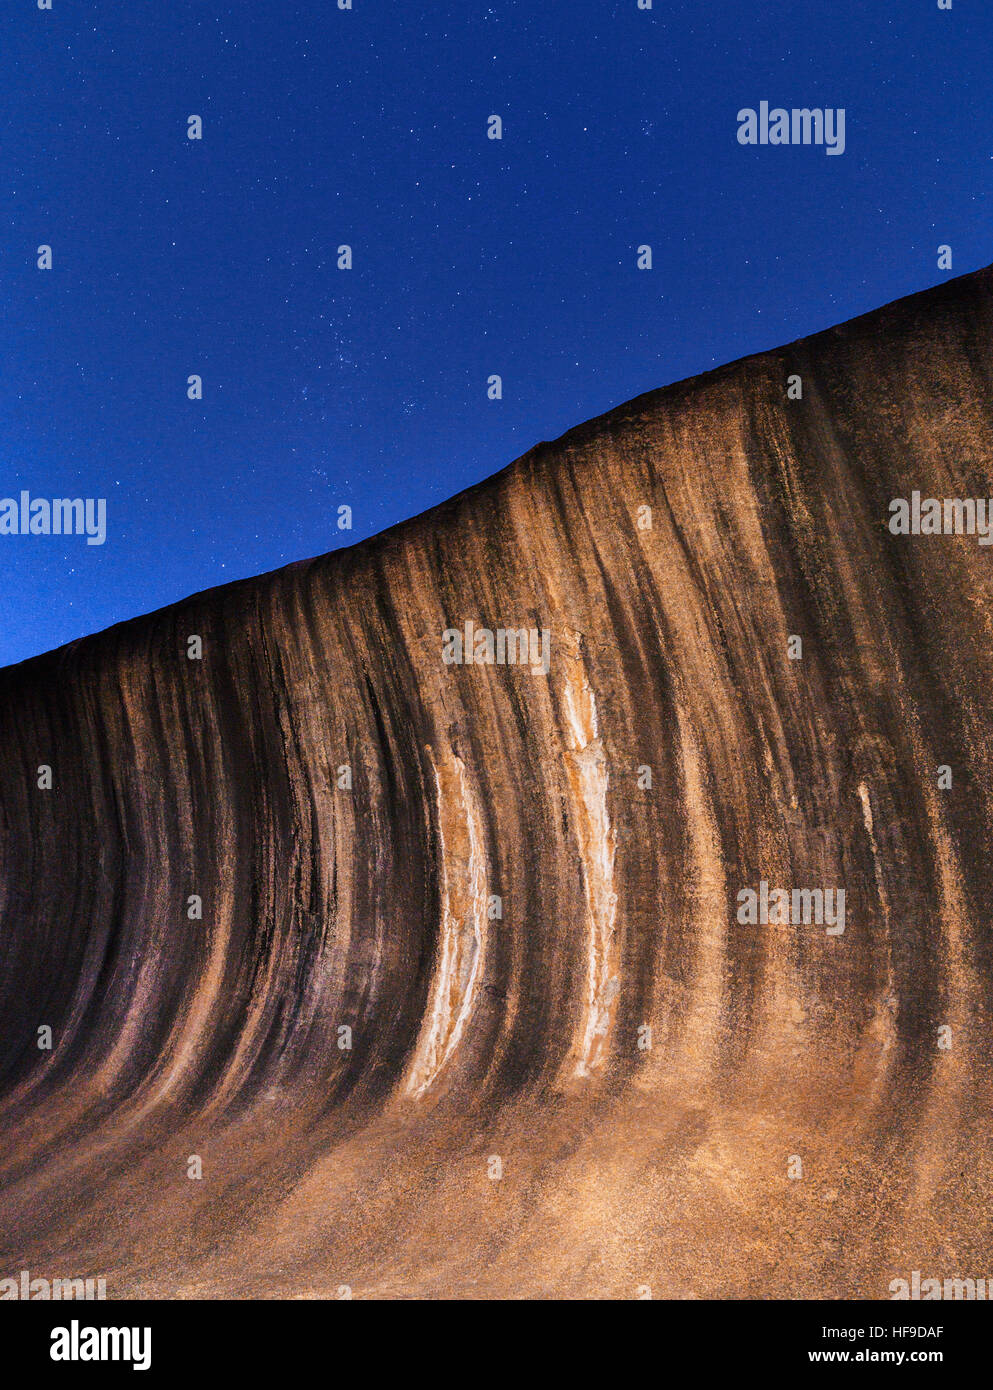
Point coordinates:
[(472, 256)]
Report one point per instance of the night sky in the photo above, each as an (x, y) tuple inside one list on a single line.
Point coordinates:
[(472, 257)]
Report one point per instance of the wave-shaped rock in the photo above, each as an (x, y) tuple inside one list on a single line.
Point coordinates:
[(442, 973)]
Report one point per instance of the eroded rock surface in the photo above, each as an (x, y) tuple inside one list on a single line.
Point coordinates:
[(444, 913)]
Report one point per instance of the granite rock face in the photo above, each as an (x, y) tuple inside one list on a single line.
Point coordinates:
[(470, 1009)]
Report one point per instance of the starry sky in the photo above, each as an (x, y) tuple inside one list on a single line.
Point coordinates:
[(472, 257)]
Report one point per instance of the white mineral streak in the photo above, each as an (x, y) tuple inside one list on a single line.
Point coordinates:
[(463, 924), (597, 849)]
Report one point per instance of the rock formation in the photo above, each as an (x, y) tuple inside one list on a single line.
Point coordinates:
[(436, 969)]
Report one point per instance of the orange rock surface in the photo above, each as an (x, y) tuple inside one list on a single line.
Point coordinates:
[(469, 1011)]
